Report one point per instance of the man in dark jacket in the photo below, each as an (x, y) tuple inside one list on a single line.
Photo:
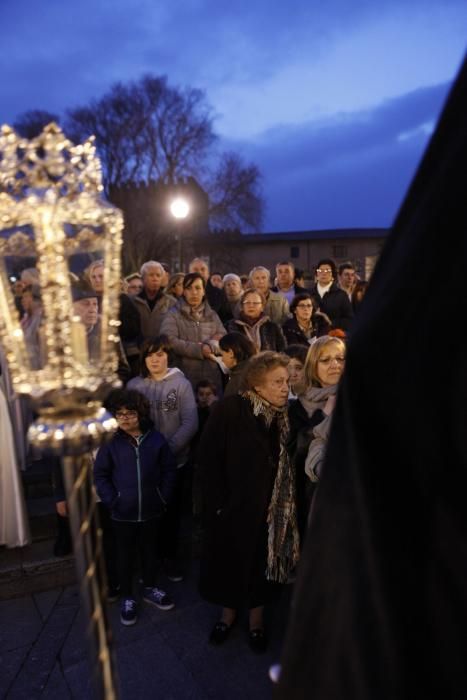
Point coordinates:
[(215, 296), (331, 300), (285, 278)]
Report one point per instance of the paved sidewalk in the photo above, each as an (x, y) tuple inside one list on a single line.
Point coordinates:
[(43, 652)]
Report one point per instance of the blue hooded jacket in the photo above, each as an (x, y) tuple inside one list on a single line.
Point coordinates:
[(134, 478)]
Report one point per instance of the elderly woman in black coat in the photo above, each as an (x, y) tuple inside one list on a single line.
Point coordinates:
[(251, 536)]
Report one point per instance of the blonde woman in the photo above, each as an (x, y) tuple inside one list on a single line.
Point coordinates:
[(310, 415), (323, 369)]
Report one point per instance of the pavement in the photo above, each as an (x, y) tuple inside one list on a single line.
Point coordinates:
[(166, 655)]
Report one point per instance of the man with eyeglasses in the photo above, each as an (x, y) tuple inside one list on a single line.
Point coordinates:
[(331, 301)]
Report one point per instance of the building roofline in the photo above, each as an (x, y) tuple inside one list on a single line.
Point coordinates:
[(319, 234)]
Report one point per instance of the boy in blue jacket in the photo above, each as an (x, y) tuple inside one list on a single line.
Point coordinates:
[(134, 475)]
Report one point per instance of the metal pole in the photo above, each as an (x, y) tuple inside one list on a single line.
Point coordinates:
[(88, 551)]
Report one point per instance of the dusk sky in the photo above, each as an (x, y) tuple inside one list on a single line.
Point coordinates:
[(335, 101)]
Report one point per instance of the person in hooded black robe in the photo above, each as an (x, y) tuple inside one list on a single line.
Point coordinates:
[(380, 610)]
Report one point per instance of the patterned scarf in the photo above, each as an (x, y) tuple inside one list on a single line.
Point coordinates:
[(283, 540)]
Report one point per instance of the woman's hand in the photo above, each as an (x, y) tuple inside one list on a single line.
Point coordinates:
[(207, 351), (329, 406)]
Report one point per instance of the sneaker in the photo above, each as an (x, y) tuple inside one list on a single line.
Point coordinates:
[(128, 612), (174, 574), (159, 598)]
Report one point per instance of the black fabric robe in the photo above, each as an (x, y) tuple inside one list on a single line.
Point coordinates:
[(238, 458), (380, 610)]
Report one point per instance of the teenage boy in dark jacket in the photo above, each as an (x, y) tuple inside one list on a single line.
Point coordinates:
[(134, 475)]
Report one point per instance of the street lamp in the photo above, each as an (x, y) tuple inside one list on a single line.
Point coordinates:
[(179, 208)]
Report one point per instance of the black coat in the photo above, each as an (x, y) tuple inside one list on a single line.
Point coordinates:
[(380, 604), (236, 383), (215, 296), (294, 334), (238, 458), (270, 334), (335, 304), (300, 436)]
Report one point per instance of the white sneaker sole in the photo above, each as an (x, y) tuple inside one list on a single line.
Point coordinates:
[(161, 606), (128, 623)]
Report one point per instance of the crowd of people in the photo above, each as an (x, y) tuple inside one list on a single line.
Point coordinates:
[(229, 385)]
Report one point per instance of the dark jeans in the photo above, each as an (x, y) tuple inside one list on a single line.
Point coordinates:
[(131, 538), (170, 524), (109, 546)]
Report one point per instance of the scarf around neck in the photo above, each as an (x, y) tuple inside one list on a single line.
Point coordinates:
[(283, 539), (315, 397)]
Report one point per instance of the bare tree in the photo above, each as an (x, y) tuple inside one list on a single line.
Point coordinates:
[(151, 137), (30, 124), (146, 130), (235, 198)]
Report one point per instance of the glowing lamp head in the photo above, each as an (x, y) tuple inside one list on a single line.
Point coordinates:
[(179, 208)]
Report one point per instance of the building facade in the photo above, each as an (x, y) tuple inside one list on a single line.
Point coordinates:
[(305, 248)]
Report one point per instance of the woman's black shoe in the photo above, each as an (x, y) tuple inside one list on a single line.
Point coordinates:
[(219, 633), (257, 640)]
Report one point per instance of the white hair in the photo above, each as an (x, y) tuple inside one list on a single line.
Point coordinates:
[(147, 265), (230, 277), (259, 268)]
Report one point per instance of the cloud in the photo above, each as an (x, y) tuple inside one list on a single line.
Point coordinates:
[(260, 62), (348, 170)]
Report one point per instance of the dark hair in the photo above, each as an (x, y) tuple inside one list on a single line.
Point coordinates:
[(302, 296), (191, 277), (286, 262), (299, 273), (360, 286), (206, 384), (34, 290), (133, 401), (331, 263), (151, 345), (263, 363), (297, 352), (346, 266), (241, 346)]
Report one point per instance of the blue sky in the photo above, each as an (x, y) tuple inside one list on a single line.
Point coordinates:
[(334, 101)]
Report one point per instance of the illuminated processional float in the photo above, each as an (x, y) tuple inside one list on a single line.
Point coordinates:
[(53, 217)]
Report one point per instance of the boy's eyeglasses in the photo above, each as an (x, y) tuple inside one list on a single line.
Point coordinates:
[(125, 414)]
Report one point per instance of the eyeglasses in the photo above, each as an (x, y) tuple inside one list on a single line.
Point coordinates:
[(324, 269), (304, 306), (125, 414), (328, 360)]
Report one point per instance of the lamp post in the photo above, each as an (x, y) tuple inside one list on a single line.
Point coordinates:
[(179, 208), (51, 210)]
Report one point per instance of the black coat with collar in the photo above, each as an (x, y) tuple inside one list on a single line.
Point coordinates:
[(238, 457), (335, 304)]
